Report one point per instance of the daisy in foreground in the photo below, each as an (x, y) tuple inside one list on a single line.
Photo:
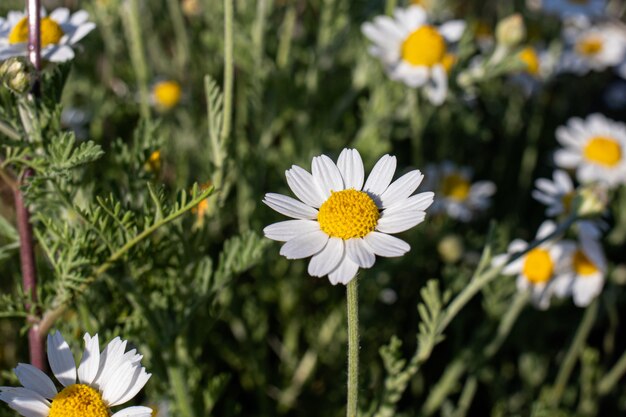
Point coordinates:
[(105, 379), (415, 51), (343, 221), (586, 271), (595, 148), (60, 31)]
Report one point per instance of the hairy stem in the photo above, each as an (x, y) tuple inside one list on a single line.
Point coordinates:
[(352, 297)]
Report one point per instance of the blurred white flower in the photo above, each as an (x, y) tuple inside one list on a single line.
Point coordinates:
[(537, 270), (413, 50), (557, 194), (105, 379), (342, 223), (60, 31), (595, 148), (456, 194)]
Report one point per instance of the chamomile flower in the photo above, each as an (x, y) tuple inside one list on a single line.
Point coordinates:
[(595, 148), (166, 94), (586, 271), (557, 194), (343, 221), (570, 8), (537, 270), (105, 379), (60, 31), (593, 48), (456, 194), (415, 51)]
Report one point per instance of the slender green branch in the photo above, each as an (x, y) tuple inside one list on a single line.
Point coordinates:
[(608, 382), (228, 69), (180, 392), (467, 395), (182, 41), (352, 298), (9, 132), (52, 315), (507, 322), (574, 352), (132, 25)]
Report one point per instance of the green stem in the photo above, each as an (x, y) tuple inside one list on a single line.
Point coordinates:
[(352, 297), (228, 69), (179, 384), (574, 352), (132, 26), (9, 132), (390, 6), (509, 319), (609, 380), (286, 36), (182, 43)]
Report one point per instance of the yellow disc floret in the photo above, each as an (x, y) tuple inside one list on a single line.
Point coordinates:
[(424, 47), (348, 214), (530, 59), (78, 400), (167, 94), (538, 266), (456, 187), (51, 32), (582, 265), (589, 45), (603, 150)]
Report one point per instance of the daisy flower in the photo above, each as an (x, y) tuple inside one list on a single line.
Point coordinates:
[(595, 148), (415, 51), (105, 379), (537, 270), (457, 195), (342, 221), (557, 194), (166, 94), (569, 8), (593, 48), (60, 31), (586, 270)]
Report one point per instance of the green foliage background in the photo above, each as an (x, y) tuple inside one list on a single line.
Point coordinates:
[(227, 326)]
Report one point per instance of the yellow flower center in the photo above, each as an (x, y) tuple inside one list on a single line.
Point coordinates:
[(538, 266), (424, 47), (348, 214), (153, 164), (603, 150), (448, 62), (589, 45), (51, 32), (582, 265), (78, 400), (456, 187), (167, 94), (530, 59)]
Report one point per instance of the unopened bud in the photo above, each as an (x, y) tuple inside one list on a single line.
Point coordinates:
[(591, 200), (451, 248), (17, 74), (511, 30)]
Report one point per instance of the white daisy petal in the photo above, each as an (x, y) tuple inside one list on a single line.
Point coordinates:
[(304, 246), (136, 411), (139, 379), (90, 363), (452, 30), (60, 15), (401, 188), (28, 407), (289, 229), (350, 165), (400, 221), (386, 245), (327, 175), (360, 253), (82, 31), (418, 202), (290, 207), (61, 360), (36, 380), (304, 186), (345, 271), (380, 177), (328, 259), (58, 53)]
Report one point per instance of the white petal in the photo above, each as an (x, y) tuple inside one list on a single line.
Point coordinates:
[(345, 271), (401, 188), (418, 202), (304, 186), (386, 245), (29, 407), (546, 228), (134, 412), (360, 252), (61, 360), (110, 359), (80, 32), (437, 90), (289, 229), (119, 382), (79, 17), (585, 289), (290, 207), (57, 53), (400, 221), (327, 175), (566, 158), (452, 30), (380, 177), (139, 379), (350, 165), (36, 380), (328, 259), (304, 246), (90, 363), (60, 15)]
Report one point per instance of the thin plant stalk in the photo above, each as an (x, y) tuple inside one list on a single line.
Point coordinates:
[(352, 297), (228, 69), (608, 382)]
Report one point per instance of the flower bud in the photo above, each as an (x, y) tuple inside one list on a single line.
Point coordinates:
[(591, 200), (17, 74), (450, 248), (511, 30)]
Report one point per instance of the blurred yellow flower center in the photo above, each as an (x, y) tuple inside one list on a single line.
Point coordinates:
[(448, 62), (582, 264), (51, 32), (167, 94), (603, 150), (530, 59), (424, 47), (154, 162), (348, 214), (589, 46), (78, 400), (456, 187), (538, 266)]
